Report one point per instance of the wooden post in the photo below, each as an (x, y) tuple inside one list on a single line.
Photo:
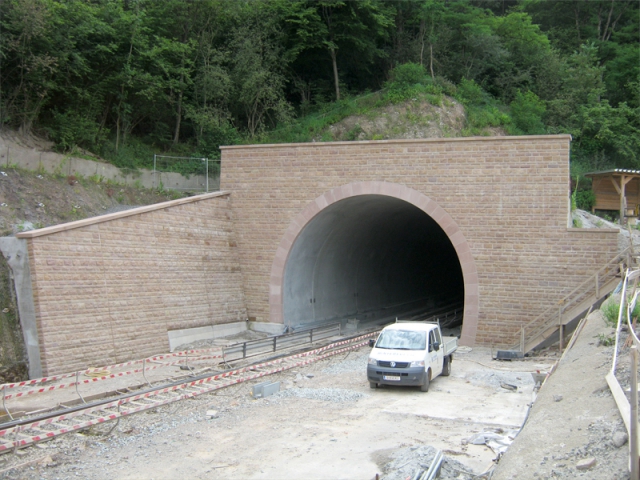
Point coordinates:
[(561, 332), (633, 424), (623, 203), (560, 329), (621, 191)]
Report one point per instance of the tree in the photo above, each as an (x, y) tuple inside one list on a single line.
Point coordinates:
[(336, 25), (28, 63), (257, 69), (527, 111)]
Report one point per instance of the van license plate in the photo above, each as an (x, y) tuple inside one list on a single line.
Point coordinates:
[(394, 378)]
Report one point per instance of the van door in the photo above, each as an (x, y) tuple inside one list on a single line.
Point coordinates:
[(435, 356)]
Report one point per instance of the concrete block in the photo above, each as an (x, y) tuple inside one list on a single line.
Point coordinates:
[(209, 332), (266, 327), (264, 389)]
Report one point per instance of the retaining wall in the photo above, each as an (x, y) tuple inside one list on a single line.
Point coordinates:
[(55, 163), (108, 289)]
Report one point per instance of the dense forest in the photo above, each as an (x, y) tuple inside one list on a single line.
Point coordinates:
[(124, 78)]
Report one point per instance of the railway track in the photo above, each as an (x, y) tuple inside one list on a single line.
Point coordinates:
[(31, 429)]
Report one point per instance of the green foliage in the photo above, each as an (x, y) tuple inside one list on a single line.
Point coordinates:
[(585, 199), (527, 111), (96, 178), (610, 310), (606, 340), (354, 133), (127, 79), (70, 129), (486, 116), (469, 92), (407, 75)]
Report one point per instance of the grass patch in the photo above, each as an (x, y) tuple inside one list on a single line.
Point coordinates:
[(610, 312)]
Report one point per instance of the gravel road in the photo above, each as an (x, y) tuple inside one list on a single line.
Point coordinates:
[(327, 423)]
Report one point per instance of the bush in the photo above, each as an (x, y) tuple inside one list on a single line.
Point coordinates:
[(73, 129), (610, 311), (585, 199), (407, 75), (527, 111), (469, 92)]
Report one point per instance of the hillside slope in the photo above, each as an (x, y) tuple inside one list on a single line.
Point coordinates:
[(417, 118), (31, 200)]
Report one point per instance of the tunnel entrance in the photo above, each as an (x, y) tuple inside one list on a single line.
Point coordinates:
[(373, 258)]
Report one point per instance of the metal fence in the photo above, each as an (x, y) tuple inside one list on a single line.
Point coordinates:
[(239, 351), (197, 174)]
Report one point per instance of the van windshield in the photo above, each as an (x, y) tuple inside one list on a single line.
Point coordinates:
[(402, 340)]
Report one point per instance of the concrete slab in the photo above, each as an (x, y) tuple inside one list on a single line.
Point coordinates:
[(574, 416), (483, 405), (210, 332)]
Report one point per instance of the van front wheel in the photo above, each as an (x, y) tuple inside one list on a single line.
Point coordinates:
[(427, 379)]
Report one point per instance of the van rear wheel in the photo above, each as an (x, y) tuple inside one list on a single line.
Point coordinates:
[(427, 380), (446, 366)]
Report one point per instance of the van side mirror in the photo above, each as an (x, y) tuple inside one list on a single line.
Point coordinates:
[(436, 346), (372, 342)]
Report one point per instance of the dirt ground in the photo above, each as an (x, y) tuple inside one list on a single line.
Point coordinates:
[(324, 423), (575, 421), (31, 200), (415, 119), (327, 423)]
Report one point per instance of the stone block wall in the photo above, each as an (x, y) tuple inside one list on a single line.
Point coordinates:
[(508, 196), (108, 289)]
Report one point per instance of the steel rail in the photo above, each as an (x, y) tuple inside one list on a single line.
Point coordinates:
[(27, 431), (182, 354)]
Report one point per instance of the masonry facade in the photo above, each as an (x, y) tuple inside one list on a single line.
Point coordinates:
[(108, 289), (503, 201)]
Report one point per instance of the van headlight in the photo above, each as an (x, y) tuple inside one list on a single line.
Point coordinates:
[(373, 361), (419, 363)]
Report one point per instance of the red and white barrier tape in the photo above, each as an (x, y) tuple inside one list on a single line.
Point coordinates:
[(37, 381), (104, 377), (17, 443)]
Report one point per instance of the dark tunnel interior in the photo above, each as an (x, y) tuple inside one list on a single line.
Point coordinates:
[(372, 258)]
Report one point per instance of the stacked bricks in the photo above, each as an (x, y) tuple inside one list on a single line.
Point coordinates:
[(108, 289), (507, 196)]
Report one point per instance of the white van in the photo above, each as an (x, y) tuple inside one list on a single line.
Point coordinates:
[(410, 353)]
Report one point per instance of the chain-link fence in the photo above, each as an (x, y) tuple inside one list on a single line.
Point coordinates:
[(186, 173)]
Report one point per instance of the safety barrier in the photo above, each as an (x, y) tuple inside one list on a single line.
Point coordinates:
[(29, 431), (279, 342)]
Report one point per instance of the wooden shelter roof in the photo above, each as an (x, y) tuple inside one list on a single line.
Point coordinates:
[(615, 172)]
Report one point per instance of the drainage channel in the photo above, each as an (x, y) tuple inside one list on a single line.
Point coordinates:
[(27, 431)]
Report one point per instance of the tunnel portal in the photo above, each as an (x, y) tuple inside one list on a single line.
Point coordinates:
[(373, 258)]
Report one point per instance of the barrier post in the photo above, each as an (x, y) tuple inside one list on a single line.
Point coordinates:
[(4, 406), (77, 382), (144, 373)]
